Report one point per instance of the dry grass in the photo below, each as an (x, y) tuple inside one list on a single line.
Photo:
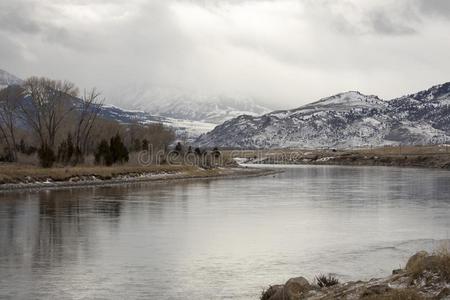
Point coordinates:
[(14, 173), (326, 281), (438, 263), (388, 150), (408, 156), (400, 294), (444, 262)]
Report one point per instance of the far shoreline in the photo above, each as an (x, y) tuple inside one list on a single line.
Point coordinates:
[(181, 174), (431, 157)]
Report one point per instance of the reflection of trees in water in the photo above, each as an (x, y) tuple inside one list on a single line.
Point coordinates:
[(11, 225), (60, 226), (108, 208), (54, 226), (69, 221), (62, 229)]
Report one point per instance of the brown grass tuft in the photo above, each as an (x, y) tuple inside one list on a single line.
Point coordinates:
[(438, 262), (400, 294)]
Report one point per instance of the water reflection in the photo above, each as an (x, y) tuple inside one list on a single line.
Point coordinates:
[(218, 239)]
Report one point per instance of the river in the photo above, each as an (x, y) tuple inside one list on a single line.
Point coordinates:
[(218, 239)]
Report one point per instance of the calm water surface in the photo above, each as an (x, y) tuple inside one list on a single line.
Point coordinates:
[(221, 239)]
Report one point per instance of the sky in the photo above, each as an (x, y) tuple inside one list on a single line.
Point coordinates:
[(283, 53)]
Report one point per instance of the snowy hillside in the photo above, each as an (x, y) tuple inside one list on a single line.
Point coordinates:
[(345, 120), (184, 129), (8, 79)]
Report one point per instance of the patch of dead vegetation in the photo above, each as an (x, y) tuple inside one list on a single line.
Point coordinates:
[(16, 173)]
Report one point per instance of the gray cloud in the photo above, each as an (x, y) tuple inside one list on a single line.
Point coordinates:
[(287, 51), (436, 7), (17, 17)]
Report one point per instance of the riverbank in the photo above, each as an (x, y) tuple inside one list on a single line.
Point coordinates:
[(418, 156), (425, 276), (19, 177)]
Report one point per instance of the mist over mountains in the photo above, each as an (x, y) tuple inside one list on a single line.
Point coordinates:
[(188, 105)]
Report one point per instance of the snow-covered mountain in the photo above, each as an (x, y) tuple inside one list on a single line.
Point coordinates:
[(191, 106), (215, 110), (184, 129), (345, 120), (7, 79)]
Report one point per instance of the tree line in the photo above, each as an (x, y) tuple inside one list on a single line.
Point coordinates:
[(49, 118)]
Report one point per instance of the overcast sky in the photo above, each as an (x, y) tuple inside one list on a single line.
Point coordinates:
[(286, 52)]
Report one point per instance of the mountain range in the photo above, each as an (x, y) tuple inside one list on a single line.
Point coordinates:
[(345, 120), (190, 115)]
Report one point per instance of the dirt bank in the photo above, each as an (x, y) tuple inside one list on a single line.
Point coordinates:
[(424, 157), (14, 177)]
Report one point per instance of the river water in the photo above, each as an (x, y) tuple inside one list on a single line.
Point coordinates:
[(218, 239)]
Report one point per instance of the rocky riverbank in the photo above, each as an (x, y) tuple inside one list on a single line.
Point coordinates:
[(426, 276)]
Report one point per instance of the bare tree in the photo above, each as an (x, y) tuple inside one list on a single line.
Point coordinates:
[(46, 105), (86, 116), (9, 101)]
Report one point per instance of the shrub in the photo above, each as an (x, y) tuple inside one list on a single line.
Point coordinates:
[(216, 152), (178, 148), (118, 150), (438, 263), (46, 156), (103, 154), (145, 144), (66, 150), (326, 281), (113, 152)]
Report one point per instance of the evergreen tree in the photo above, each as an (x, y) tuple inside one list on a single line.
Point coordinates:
[(46, 156), (216, 152), (103, 154), (118, 150), (137, 145), (178, 148), (70, 148), (22, 146), (145, 144)]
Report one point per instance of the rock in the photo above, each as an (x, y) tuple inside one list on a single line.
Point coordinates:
[(378, 289), (424, 278), (397, 271), (292, 289), (444, 294), (272, 290), (415, 260)]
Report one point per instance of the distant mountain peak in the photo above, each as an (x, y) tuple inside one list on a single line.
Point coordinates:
[(7, 78), (345, 120)]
